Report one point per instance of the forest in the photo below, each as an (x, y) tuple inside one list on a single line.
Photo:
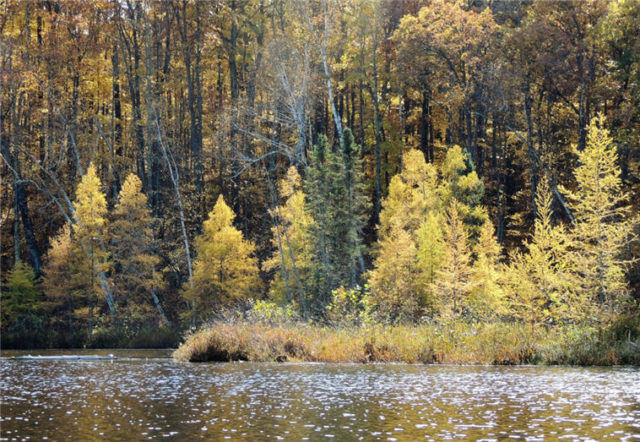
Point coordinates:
[(168, 165)]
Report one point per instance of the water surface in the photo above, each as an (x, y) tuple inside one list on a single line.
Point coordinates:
[(144, 394)]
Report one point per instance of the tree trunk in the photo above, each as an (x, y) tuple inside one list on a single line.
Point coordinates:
[(104, 285), (35, 258), (21, 211), (361, 115), (424, 126), (16, 225), (232, 47), (117, 122), (533, 169), (175, 180), (199, 169), (194, 103), (74, 156), (582, 117), (137, 105), (132, 48), (327, 73), (231, 54), (158, 306), (152, 169), (377, 204), (469, 133)]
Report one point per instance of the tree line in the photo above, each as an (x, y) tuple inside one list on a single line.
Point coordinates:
[(412, 159)]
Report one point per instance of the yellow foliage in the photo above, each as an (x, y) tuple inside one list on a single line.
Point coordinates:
[(131, 243), (290, 237), (88, 240), (225, 269), (411, 194), (430, 254), (59, 267), (603, 228), (538, 281), (394, 290), (453, 282), (486, 297), (90, 205)]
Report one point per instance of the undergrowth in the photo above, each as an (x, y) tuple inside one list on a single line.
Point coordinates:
[(457, 343)]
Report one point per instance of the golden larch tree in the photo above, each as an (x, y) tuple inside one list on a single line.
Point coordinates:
[(453, 282), (134, 276), (291, 239), (486, 297), (90, 217), (225, 269), (603, 228), (538, 284), (393, 279), (412, 193), (430, 255), (59, 280)]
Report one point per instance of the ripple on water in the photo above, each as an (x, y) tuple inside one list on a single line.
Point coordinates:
[(154, 398)]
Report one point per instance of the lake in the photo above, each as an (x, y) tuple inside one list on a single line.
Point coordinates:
[(144, 394)]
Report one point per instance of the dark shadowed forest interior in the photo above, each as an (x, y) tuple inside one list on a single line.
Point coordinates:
[(327, 163)]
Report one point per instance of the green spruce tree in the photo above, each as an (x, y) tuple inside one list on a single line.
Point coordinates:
[(338, 205), (23, 319), (461, 182)]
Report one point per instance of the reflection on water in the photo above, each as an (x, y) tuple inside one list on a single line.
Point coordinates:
[(145, 396)]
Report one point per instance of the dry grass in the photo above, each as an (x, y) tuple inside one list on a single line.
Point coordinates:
[(455, 343)]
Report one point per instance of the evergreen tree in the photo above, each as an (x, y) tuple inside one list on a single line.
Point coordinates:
[(321, 178), (603, 228), (21, 294), (22, 315), (356, 205), (131, 243), (224, 270), (20, 297), (337, 203), (453, 283), (461, 182)]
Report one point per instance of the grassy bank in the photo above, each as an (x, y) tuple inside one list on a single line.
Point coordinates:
[(455, 343)]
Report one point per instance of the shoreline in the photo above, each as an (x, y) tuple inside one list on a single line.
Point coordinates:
[(456, 344)]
